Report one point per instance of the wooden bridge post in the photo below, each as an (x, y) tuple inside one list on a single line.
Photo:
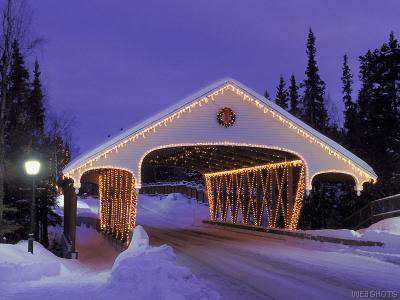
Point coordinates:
[(69, 233), (289, 197), (273, 201)]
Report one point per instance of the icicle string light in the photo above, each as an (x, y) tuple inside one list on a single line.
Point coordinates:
[(270, 166), (117, 203), (210, 97), (261, 194)]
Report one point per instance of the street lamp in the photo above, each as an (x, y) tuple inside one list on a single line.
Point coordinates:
[(32, 168)]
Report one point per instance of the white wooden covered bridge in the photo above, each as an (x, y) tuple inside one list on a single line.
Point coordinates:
[(257, 160)]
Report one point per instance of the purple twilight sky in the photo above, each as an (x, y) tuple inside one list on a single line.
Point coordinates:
[(114, 63)]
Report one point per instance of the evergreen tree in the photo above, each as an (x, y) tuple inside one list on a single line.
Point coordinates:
[(379, 114), (281, 97), (26, 137), (18, 135), (36, 106), (22, 131), (17, 143), (314, 111), (294, 97), (372, 131), (350, 115), (44, 144), (47, 194)]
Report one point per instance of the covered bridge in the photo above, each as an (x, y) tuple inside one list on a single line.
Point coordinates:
[(257, 160)]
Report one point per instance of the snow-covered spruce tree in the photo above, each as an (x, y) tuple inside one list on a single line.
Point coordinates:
[(281, 97), (314, 111), (294, 97)]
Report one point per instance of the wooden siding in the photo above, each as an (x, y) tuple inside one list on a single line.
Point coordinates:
[(252, 127)]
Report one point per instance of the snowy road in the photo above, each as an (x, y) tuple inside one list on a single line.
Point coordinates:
[(240, 265), (237, 264)]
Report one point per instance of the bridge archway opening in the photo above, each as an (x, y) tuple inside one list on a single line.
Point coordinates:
[(249, 185), (117, 197), (331, 196), (332, 178)]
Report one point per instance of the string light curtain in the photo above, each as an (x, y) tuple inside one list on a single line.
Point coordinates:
[(117, 203), (268, 195)]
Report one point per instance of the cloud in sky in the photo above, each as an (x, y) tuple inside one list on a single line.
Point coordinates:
[(114, 63)]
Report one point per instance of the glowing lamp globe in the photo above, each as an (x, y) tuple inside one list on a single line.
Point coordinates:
[(32, 167)]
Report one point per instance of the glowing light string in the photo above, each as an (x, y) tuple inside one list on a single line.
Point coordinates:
[(117, 203), (83, 166), (247, 183)]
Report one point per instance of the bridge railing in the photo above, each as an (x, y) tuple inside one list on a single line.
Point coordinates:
[(185, 189), (375, 211)]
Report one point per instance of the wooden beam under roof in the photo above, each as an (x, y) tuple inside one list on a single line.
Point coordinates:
[(210, 158)]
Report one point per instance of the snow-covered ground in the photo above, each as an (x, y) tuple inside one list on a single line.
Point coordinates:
[(140, 272), (243, 265), (86, 207), (386, 231), (174, 210), (183, 259)]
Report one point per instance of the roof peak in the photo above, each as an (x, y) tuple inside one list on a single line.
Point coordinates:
[(141, 126)]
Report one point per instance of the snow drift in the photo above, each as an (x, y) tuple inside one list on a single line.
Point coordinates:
[(391, 225), (386, 231), (140, 272), (17, 264), (152, 272)]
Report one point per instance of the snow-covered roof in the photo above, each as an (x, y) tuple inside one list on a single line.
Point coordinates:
[(207, 90)]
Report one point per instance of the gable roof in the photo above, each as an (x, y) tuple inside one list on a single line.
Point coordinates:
[(82, 159)]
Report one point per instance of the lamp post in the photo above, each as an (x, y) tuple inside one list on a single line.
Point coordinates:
[(32, 168)]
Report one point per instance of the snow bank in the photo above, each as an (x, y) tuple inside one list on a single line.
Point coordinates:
[(391, 241), (140, 272), (391, 225), (386, 231), (336, 233), (152, 273), (17, 264)]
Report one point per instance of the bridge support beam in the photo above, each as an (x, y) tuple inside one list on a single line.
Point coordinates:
[(69, 232)]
